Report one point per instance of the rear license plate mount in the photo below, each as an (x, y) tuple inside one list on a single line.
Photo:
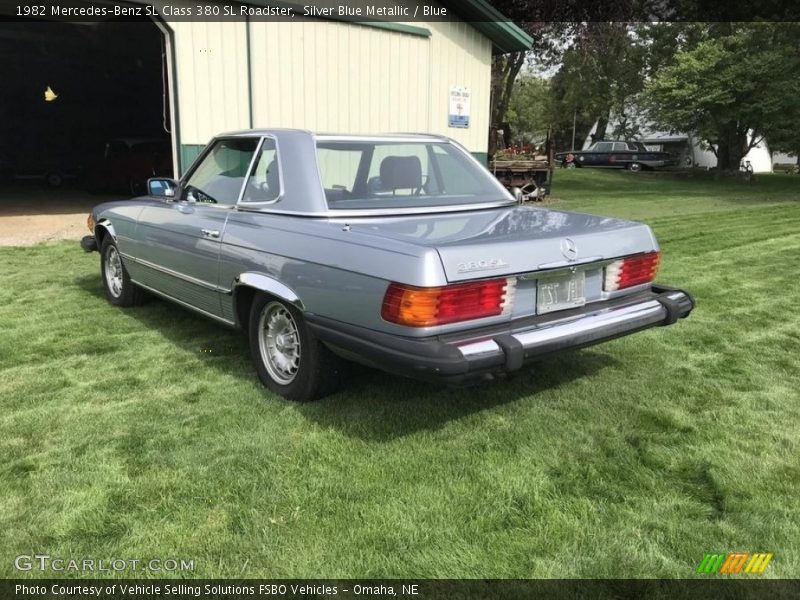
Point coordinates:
[(560, 292)]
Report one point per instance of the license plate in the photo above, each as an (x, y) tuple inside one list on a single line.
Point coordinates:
[(560, 293)]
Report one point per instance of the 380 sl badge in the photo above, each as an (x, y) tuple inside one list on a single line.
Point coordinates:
[(486, 264)]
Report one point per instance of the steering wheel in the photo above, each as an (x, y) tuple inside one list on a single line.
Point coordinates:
[(198, 195)]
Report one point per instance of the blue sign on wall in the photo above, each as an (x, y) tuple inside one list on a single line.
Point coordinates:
[(458, 114)]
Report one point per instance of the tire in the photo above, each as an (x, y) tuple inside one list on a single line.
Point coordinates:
[(288, 358), (635, 167), (117, 284), (54, 179)]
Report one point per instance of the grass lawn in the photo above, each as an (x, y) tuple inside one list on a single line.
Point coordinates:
[(144, 433)]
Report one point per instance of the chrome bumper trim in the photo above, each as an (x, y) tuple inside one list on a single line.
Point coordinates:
[(583, 328)]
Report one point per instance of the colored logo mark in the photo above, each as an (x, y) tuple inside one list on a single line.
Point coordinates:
[(734, 563)]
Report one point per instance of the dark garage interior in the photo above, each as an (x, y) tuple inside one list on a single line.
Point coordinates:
[(83, 106)]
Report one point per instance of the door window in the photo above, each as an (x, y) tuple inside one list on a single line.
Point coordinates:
[(264, 183), (218, 179)]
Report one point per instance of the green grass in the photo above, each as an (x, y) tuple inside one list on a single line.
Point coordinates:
[(144, 433)]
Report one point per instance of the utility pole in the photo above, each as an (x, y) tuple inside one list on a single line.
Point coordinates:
[(574, 118)]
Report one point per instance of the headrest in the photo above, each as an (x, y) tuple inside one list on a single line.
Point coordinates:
[(401, 172)]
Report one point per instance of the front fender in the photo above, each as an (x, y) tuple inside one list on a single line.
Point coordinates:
[(102, 228)]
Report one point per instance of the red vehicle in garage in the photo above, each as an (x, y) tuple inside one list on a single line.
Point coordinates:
[(128, 163)]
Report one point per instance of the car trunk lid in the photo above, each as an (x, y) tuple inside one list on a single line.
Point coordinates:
[(516, 240)]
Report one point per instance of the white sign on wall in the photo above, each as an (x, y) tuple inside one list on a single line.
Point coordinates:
[(459, 107)]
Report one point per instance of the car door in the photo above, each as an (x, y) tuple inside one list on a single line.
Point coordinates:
[(600, 154), (179, 241), (620, 156)]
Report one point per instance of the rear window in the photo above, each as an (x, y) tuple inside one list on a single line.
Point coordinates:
[(364, 174)]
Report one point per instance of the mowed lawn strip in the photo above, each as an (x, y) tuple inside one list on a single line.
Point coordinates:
[(144, 433)]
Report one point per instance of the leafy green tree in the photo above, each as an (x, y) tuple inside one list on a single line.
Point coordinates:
[(547, 39), (729, 80), (528, 112), (600, 74)]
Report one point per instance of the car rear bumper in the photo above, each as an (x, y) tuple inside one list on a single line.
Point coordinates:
[(475, 354)]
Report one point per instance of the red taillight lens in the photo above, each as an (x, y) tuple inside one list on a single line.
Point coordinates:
[(426, 307), (631, 271)]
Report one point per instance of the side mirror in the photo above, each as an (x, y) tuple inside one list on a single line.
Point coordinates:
[(162, 187)]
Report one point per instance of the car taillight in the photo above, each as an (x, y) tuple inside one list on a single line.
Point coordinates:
[(90, 222), (426, 307), (631, 271)]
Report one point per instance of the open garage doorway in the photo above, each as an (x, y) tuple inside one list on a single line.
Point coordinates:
[(85, 107)]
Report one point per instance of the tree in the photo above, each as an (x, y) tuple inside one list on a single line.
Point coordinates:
[(528, 112), (734, 85), (505, 67), (554, 26), (601, 72)]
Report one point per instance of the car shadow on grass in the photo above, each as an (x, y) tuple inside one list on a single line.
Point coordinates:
[(371, 404), (378, 406)]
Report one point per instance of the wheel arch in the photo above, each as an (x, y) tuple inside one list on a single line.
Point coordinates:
[(102, 229), (249, 284)]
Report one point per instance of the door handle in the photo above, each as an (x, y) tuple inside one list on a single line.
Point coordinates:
[(210, 233)]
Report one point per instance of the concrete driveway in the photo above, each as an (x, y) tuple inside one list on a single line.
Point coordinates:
[(32, 214)]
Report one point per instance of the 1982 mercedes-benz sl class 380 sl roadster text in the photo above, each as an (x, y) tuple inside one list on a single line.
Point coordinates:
[(398, 251)]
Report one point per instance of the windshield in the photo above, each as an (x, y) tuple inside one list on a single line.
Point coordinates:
[(365, 174)]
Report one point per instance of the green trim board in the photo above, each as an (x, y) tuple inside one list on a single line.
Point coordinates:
[(483, 157), (249, 73), (396, 27), (504, 35), (188, 154), (386, 25)]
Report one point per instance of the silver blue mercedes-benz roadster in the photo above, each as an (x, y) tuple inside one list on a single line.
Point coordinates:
[(397, 251)]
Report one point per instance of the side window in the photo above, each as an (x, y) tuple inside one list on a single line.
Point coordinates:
[(264, 182), (455, 176), (620, 146), (338, 168), (603, 147), (219, 177), (398, 169)]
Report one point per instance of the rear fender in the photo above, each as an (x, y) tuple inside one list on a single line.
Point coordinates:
[(247, 283)]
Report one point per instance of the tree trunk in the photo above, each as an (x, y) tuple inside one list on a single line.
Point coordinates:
[(730, 147), (505, 69), (602, 126)]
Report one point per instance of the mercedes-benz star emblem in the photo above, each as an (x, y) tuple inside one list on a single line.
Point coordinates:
[(569, 249)]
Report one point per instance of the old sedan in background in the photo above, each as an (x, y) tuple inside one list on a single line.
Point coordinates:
[(617, 155), (398, 251)]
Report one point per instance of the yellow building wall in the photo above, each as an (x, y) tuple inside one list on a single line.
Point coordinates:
[(327, 76)]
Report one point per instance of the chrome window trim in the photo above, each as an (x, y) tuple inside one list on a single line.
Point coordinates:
[(239, 202), (385, 212), (184, 181), (399, 138), (249, 172), (374, 212)]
